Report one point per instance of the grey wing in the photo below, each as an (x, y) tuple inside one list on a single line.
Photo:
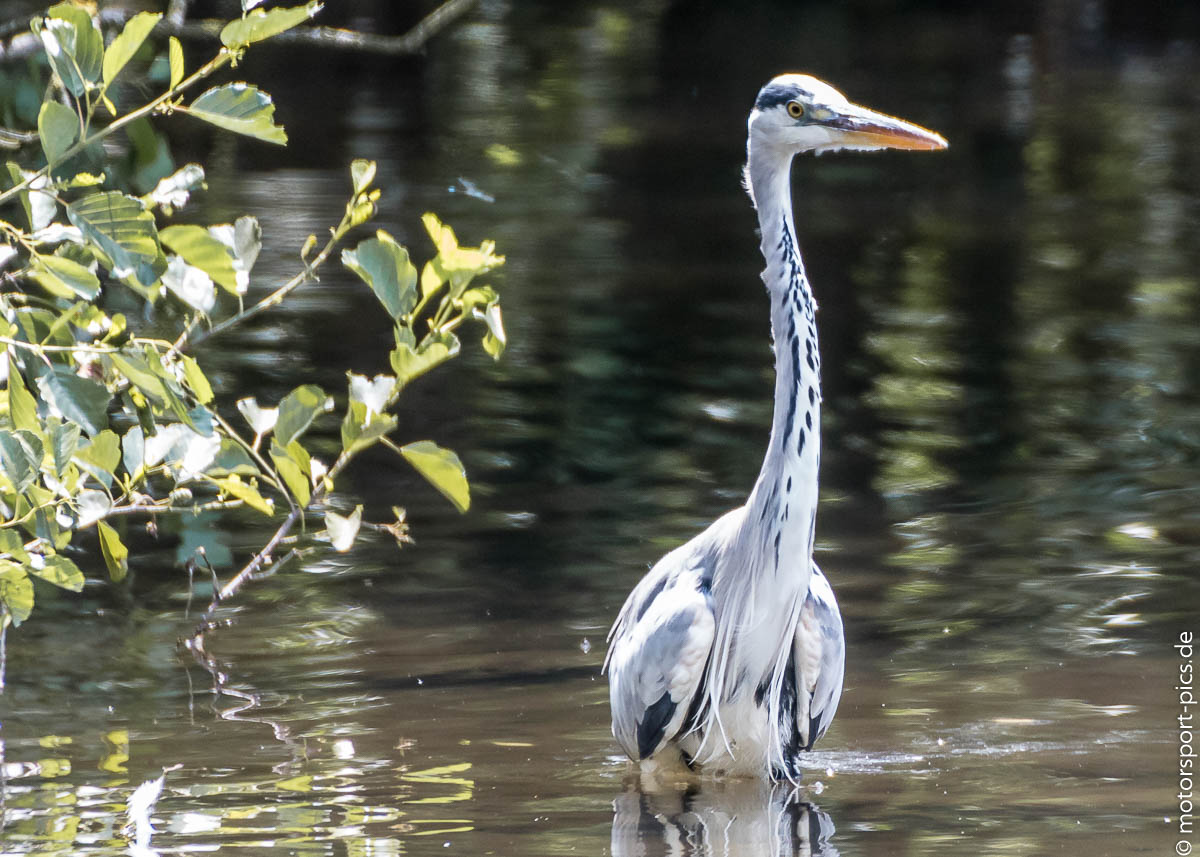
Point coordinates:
[(820, 652), (658, 651)]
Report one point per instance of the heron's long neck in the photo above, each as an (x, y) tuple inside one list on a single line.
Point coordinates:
[(783, 504)]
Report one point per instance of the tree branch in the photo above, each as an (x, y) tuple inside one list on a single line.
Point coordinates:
[(23, 43)]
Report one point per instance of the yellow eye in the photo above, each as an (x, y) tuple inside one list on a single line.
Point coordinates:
[(795, 109)]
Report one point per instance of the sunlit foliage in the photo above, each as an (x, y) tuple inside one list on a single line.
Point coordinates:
[(105, 415)]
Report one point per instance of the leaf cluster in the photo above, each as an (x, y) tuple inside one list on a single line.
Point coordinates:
[(101, 421)]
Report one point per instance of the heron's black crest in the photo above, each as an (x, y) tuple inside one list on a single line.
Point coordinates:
[(777, 94)]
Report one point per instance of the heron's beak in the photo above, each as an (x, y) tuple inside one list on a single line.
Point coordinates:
[(861, 127)]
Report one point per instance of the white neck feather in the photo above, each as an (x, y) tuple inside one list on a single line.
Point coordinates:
[(764, 590), (784, 500)]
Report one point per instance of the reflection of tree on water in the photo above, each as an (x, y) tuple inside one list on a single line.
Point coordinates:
[(720, 820)]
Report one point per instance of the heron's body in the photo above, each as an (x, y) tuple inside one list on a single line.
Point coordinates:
[(730, 650)]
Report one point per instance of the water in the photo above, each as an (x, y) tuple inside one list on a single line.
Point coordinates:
[(1009, 503)]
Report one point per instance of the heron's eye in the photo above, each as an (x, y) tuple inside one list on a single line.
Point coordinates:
[(795, 109)]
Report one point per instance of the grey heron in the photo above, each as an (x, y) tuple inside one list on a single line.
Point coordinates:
[(729, 654)]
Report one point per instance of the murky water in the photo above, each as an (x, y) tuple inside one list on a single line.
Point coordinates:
[(1010, 511)]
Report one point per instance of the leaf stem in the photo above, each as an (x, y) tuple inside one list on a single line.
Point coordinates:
[(276, 297), (257, 456)]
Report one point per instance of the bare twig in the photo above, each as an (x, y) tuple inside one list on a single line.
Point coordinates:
[(24, 43), (245, 575), (410, 43), (159, 509), (188, 339), (261, 559)]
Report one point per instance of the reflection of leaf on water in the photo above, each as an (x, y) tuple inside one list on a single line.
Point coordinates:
[(118, 752), (464, 825), (41, 769), (50, 768), (296, 784), (443, 775)]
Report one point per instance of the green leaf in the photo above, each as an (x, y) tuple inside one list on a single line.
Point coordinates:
[(247, 492), (85, 180), (243, 240), (73, 44), (78, 399), (261, 419), (480, 296), (58, 330), (91, 506), (175, 50), (292, 464), (116, 555), (431, 279), (173, 191), (11, 544), (202, 250), (197, 380), (361, 428), (362, 173), (125, 46), (138, 372), (191, 285), (384, 266), (147, 373), (16, 591), (60, 571), (65, 278), (455, 264), (409, 363), (343, 529), (64, 442), (104, 451), (494, 341), (22, 406), (133, 452), (364, 209), (372, 392), (151, 152), (442, 235), (232, 458), (21, 457), (241, 108), (259, 24), (443, 470), (187, 452), (58, 128), (123, 230), (484, 305), (297, 411), (38, 202)]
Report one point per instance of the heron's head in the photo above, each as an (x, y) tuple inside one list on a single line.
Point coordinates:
[(798, 113)]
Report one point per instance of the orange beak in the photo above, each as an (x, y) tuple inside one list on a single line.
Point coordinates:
[(860, 126)]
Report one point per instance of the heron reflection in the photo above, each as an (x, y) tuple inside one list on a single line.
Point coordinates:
[(720, 819)]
